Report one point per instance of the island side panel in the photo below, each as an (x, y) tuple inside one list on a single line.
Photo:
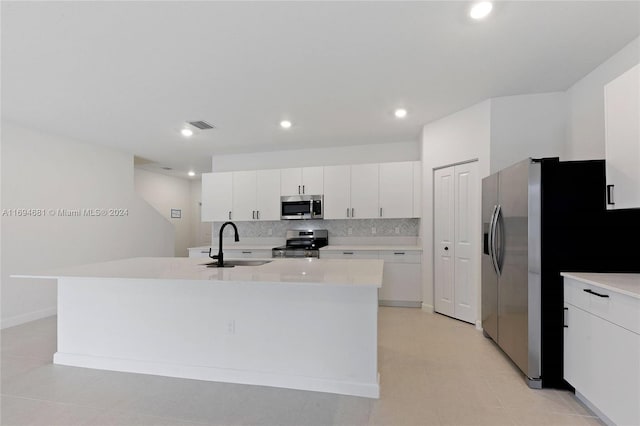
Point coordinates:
[(302, 336)]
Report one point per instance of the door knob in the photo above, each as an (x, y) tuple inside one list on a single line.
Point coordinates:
[(446, 249)]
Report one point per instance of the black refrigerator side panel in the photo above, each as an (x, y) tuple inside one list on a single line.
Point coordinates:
[(573, 197)]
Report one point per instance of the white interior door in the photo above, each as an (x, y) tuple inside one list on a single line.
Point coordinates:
[(444, 234), (466, 248), (456, 249)]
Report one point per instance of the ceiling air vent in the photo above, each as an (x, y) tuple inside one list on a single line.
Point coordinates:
[(202, 125)]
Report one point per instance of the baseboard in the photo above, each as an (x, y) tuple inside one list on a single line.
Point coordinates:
[(28, 317), (399, 303), (479, 325), (427, 308), (215, 374)]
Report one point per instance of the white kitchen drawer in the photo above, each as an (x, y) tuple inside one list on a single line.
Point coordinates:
[(401, 256), (198, 253), (349, 254), (246, 254), (617, 308)]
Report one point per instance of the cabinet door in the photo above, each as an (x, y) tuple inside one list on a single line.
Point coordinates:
[(396, 190), (217, 199), (576, 340), (401, 282), (337, 192), (291, 181), (622, 128), (312, 180), (244, 195), (268, 194), (364, 191), (417, 189)]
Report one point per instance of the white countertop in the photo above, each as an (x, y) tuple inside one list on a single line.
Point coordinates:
[(372, 247), (290, 271), (628, 284)]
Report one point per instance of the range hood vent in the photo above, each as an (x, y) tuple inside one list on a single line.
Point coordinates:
[(202, 125)]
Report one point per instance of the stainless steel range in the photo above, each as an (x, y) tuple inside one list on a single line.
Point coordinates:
[(301, 243)]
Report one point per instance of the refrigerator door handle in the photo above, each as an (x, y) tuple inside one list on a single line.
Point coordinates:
[(493, 238), (490, 236)]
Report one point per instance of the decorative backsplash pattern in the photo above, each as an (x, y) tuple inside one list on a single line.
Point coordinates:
[(336, 228)]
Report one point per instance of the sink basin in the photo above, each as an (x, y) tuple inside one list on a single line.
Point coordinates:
[(239, 262)]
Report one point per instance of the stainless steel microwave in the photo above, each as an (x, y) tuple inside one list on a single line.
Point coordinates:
[(301, 207)]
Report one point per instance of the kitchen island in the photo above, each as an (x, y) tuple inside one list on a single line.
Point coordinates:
[(295, 323)]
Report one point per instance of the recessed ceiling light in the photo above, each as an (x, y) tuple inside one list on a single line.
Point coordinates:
[(186, 132), (191, 173), (285, 124), (400, 113), (481, 10)]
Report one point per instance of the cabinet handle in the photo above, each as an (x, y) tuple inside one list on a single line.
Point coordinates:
[(380, 211), (229, 215), (610, 195), (246, 252), (347, 211), (352, 212), (298, 189), (303, 189), (564, 324), (253, 214), (399, 252), (204, 251), (588, 290), (258, 214), (347, 252)]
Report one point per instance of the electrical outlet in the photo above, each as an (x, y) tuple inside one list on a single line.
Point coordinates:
[(270, 231), (373, 229), (349, 231), (231, 327), (397, 229)]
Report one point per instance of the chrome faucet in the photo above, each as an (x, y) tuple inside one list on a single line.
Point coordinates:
[(220, 256)]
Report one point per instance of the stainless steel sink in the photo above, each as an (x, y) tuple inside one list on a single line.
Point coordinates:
[(239, 262)]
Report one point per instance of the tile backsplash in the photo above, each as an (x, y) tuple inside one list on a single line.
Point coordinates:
[(336, 228)]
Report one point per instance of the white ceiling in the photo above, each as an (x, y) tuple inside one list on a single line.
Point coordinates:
[(129, 74)]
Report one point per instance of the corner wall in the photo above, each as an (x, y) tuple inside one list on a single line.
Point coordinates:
[(45, 172)]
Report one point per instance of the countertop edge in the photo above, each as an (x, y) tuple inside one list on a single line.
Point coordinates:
[(619, 288)]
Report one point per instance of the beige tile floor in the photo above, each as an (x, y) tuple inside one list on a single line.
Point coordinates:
[(434, 371)]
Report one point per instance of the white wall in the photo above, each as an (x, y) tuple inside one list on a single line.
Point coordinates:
[(164, 193), (585, 132), (459, 137), (357, 154), (527, 126), (200, 231), (42, 171)]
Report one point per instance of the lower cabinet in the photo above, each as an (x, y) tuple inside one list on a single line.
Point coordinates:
[(601, 352), (402, 277)]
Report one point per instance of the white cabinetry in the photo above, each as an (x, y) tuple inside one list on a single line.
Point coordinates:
[(337, 192), (402, 276), (622, 128), (256, 195), (396, 190), (298, 181), (602, 349), (364, 191), (217, 201)]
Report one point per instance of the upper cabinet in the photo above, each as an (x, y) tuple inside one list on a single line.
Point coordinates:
[(299, 181), (256, 195), (360, 191), (369, 191), (622, 129), (217, 202), (396, 190)]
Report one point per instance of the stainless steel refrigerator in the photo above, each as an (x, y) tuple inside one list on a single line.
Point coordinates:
[(536, 215)]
